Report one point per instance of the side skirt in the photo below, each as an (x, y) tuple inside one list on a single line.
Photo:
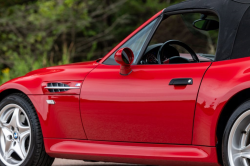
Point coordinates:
[(138, 153)]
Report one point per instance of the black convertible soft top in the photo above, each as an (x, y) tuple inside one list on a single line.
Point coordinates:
[(234, 15)]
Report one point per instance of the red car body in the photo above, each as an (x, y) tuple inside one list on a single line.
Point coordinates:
[(137, 118)]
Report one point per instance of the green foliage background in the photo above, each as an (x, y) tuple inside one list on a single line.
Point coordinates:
[(36, 34)]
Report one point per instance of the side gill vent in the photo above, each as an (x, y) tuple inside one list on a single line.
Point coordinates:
[(57, 87)]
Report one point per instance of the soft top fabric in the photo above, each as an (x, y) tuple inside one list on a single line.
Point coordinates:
[(231, 14)]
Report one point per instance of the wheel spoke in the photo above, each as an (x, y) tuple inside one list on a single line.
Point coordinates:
[(7, 115), (23, 129), (245, 152), (18, 151), (6, 132), (8, 154), (15, 118), (245, 155), (4, 114), (3, 121), (19, 125), (23, 135), (237, 158), (23, 138), (8, 145), (6, 142), (245, 149), (2, 139)]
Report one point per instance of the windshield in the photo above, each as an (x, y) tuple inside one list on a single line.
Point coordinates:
[(135, 43)]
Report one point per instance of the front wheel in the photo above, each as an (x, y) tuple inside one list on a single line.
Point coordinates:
[(21, 140), (236, 138)]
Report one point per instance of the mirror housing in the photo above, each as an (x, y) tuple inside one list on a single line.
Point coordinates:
[(125, 58), (206, 24)]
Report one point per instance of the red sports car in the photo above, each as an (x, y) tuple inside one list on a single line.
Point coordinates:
[(174, 92)]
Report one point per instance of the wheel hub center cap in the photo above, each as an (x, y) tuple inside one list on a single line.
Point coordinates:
[(15, 135)]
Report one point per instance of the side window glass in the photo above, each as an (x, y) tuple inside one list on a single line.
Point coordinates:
[(202, 39), (135, 43)]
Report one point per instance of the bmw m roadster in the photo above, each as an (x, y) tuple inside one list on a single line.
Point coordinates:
[(163, 96)]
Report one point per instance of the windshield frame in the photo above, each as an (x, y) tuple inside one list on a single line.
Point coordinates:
[(148, 39), (157, 19), (137, 43)]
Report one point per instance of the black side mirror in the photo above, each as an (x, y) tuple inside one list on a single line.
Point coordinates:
[(206, 24)]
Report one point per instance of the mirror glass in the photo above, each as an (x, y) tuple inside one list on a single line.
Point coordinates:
[(125, 57), (206, 24)]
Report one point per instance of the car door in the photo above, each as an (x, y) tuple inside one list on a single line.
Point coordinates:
[(142, 106)]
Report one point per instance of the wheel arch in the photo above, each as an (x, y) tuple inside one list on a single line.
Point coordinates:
[(235, 101), (7, 92)]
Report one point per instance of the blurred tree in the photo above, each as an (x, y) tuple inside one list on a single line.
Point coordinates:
[(36, 34)]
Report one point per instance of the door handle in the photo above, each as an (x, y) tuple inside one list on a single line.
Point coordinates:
[(181, 81)]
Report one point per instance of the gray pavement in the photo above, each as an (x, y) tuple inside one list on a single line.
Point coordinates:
[(64, 162)]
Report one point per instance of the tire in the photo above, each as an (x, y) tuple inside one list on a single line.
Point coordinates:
[(236, 138), (21, 139)]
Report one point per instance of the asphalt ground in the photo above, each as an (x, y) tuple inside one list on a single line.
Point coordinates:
[(64, 162)]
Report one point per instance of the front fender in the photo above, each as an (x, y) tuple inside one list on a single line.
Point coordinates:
[(28, 85), (62, 119)]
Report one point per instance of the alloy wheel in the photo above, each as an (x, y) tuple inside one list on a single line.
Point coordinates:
[(15, 135)]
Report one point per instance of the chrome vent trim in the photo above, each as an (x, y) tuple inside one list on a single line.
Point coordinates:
[(59, 87)]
